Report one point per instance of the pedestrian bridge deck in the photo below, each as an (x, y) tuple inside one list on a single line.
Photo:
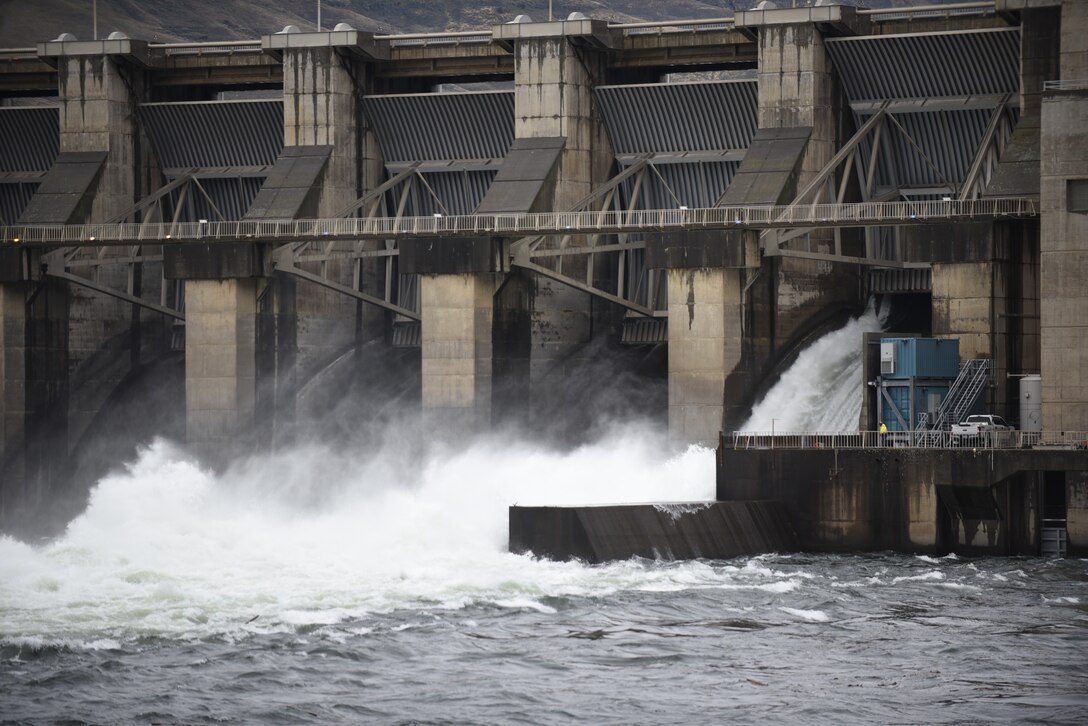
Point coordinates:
[(862, 214)]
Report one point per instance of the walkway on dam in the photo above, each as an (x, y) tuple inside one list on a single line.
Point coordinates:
[(921, 439), (861, 214)]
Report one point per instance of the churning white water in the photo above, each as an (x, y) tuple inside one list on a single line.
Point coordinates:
[(822, 390), (316, 536)]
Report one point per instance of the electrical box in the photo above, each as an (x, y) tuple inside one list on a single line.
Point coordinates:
[(887, 359)]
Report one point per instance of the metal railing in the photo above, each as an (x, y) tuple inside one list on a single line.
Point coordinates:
[(543, 223), (947, 10), (674, 26), (1072, 84), (909, 439), (468, 37), (220, 47)]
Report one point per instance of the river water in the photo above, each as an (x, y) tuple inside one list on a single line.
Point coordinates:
[(320, 587)]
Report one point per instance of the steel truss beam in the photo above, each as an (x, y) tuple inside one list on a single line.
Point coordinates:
[(284, 260), (56, 266)]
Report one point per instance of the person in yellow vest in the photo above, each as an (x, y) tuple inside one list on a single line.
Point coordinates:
[(883, 434)]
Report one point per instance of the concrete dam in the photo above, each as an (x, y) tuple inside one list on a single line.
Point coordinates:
[(542, 226)]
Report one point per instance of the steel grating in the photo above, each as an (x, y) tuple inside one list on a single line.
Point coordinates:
[(442, 126), (928, 65), (215, 134), (676, 118)]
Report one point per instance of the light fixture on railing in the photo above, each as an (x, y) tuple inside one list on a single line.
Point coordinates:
[(91, 238), (16, 240)]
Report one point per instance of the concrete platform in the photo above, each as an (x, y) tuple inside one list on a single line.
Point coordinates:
[(669, 531)]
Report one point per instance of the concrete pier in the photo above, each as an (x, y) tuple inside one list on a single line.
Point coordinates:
[(556, 67), (456, 346), (220, 363)]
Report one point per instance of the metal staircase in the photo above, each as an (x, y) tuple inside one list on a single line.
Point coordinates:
[(974, 375)]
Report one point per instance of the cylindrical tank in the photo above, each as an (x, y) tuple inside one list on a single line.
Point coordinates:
[(1031, 403)]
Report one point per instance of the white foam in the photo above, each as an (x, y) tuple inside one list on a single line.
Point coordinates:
[(312, 536), (931, 575), (822, 390), (812, 616)]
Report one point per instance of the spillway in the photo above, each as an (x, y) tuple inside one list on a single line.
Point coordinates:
[(822, 390)]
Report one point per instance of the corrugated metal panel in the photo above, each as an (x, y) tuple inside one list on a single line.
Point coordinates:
[(232, 196), (928, 65), (29, 138), (14, 196), (925, 357), (460, 192), (407, 334), (215, 133), (900, 280), (949, 138), (679, 117), (693, 184), (442, 126), (645, 331)]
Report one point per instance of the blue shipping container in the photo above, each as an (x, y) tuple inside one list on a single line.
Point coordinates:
[(924, 358), (900, 396)]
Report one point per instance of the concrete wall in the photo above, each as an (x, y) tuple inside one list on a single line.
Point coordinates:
[(12, 366), (1064, 262), (1076, 512), (908, 500)]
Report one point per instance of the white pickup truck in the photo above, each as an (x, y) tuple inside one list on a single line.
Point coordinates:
[(985, 429)]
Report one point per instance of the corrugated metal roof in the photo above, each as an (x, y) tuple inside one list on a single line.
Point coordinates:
[(679, 117), (14, 196), (460, 192), (29, 138), (215, 134), (928, 65), (232, 196), (442, 126), (949, 138), (690, 184)]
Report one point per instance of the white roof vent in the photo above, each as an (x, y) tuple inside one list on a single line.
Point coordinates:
[(65, 38), (766, 5), (577, 16), (117, 35), (521, 19), (342, 27), (288, 29)]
